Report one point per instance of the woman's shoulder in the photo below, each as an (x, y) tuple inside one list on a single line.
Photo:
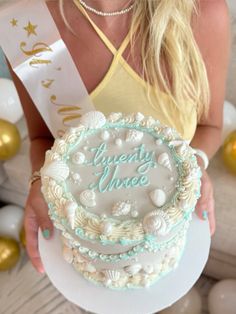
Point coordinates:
[(212, 15), (211, 25)]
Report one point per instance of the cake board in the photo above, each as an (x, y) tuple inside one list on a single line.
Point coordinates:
[(101, 300)]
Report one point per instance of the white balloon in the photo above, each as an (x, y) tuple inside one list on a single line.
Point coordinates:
[(10, 105), (229, 119), (222, 297), (11, 221), (191, 303)]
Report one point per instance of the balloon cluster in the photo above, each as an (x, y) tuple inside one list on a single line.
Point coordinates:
[(10, 113), (11, 236)]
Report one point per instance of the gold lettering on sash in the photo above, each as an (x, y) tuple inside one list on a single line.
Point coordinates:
[(36, 49), (69, 112), (47, 83), (38, 61)]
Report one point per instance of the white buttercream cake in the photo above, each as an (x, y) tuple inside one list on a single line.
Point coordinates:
[(122, 190)]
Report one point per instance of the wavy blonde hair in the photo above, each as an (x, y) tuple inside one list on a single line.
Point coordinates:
[(171, 59)]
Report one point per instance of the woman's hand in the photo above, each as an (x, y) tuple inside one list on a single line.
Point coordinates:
[(36, 215), (205, 206)]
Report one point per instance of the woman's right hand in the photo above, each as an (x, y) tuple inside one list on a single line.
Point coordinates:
[(36, 216)]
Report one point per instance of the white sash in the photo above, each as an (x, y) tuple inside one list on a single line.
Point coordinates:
[(39, 57)]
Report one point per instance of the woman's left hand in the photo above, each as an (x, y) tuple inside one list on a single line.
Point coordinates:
[(205, 206)]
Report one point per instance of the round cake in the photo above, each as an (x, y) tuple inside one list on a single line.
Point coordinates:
[(122, 190)]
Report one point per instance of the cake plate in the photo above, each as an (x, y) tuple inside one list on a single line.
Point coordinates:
[(102, 300)]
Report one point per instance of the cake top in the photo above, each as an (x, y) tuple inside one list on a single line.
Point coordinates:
[(121, 179)]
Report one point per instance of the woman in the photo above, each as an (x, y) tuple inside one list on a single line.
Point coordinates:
[(174, 68)]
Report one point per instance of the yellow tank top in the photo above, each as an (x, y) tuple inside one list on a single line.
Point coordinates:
[(123, 90)]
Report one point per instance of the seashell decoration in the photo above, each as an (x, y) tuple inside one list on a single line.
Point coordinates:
[(133, 269), (53, 191), (148, 268), (51, 156), (106, 228), (164, 160), (71, 135), (68, 254), (93, 120), (57, 170), (60, 146), (78, 158), (89, 268), (88, 198), (76, 177), (105, 135), (114, 116), (149, 122), (139, 117), (157, 223), (134, 136), (121, 208), (69, 211), (167, 131), (112, 275), (158, 197)]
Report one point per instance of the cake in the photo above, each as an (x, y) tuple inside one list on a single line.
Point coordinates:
[(122, 190)]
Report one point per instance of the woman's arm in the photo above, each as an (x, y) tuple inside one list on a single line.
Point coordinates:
[(212, 32)]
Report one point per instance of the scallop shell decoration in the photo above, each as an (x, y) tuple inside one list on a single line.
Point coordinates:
[(157, 223), (88, 198), (57, 170), (70, 210), (68, 254), (158, 197), (133, 269), (93, 120), (121, 208), (134, 136), (164, 160), (113, 275)]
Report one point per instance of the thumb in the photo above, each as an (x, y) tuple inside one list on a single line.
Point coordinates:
[(43, 220)]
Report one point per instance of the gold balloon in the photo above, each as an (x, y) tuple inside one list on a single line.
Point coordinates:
[(229, 152), (9, 253), (22, 237), (9, 140)]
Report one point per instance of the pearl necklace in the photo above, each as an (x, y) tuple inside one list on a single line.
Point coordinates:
[(124, 11)]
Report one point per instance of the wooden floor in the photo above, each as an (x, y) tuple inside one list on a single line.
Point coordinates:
[(23, 290)]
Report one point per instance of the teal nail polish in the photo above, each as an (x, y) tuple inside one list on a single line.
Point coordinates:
[(46, 233), (204, 214)]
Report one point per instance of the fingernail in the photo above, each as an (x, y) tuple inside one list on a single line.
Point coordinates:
[(204, 214), (46, 233)]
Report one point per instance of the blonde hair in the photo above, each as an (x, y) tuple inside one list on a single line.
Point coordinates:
[(168, 46)]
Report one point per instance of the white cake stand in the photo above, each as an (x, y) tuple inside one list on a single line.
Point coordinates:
[(101, 300)]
